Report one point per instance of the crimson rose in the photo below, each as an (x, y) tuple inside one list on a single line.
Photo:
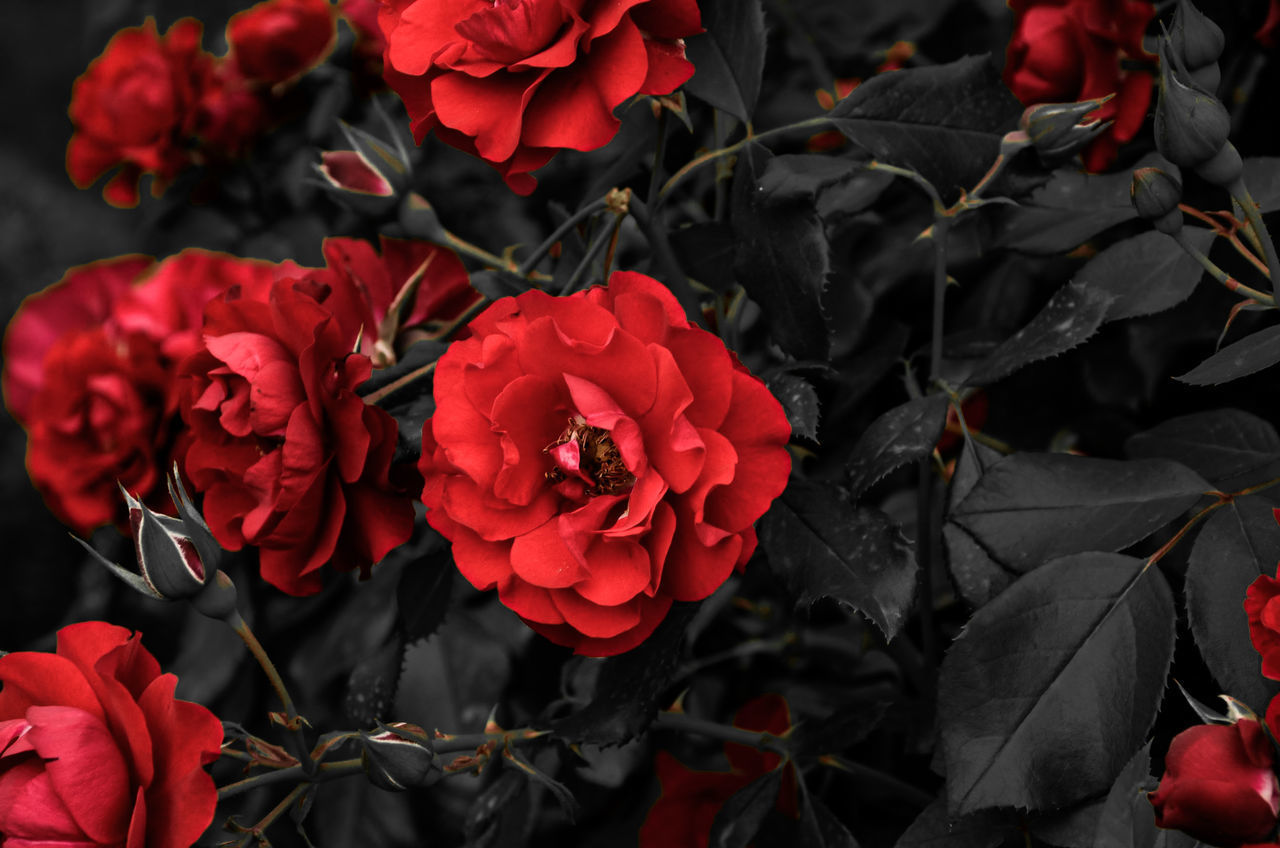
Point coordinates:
[(95, 750), (1219, 784), (1068, 50), (513, 81), (596, 458), (684, 813), (1262, 606), (289, 457), (134, 106), (278, 40)]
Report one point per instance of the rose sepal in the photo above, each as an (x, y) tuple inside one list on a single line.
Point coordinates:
[(399, 757)]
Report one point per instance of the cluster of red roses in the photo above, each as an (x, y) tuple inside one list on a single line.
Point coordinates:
[(156, 104), (1220, 782), (242, 372)]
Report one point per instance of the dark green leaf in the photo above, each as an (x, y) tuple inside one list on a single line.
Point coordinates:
[(1070, 317), (705, 251), (371, 686), (781, 258), (1229, 448), (944, 122), (729, 56), (1031, 507), (977, 576), (803, 175), (848, 725), (1116, 822), (741, 816), (1238, 359), (935, 828), (558, 790), (1053, 685), (820, 828), (1074, 827), (1071, 208), (630, 688), (821, 546), (1262, 177), (422, 597), (901, 435), (799, 400), (1147, 273), (1238, 543)]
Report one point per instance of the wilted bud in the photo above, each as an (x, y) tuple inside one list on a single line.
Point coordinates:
[(1196, 39), (1191, 125), (1058, 130), (399, 757), (177, 557), (1155, 196)]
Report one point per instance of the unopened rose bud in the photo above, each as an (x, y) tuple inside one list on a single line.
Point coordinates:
[(1156, 196), (399, 757), (1196, 39), (1224, 168), (177, 557), (1058, 130), (1191, 125), (351, 178)]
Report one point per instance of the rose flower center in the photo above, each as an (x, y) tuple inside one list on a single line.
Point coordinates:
[(588, 454)]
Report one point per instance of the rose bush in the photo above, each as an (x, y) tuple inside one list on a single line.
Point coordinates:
[(134, 106), (1068, 50), (1219, 784), (278, 40), (95, 749), (684, 813), (513, 81), (596, 458), (289, 457)]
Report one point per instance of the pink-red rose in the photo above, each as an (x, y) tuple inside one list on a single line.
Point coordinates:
[(96, 751), (1068, 50), (1219, 784), (513, 81), (134, 106), (289, 458), (278, 40), (684, 813), (595, 457), (1262, 606)]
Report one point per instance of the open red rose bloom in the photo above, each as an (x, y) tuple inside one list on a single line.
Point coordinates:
[(595, 458), (513, 81), (95, 750)]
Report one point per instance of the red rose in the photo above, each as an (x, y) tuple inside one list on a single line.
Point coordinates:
[(1263, 609), (595, 458), (134, 106), (95, 750), (289, 457), (513, 81), (1068, 50), (278, 40), (370, 44), (364, 284), (230, 113), (684, 813), (90, 372), (1219, 784)]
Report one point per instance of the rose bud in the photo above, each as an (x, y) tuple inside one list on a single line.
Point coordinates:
[(1191, 124), (399, 758), (177, 557), (1198, 42), (1055, 129), (1155, 196), (352, 179), (1219, 785)]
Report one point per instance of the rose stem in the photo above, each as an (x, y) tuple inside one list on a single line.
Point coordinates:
[(1241, 194), (1218, 274), (651, 196), (399, 383), (1228, 233), (602, 238), (711, 155), (294, 725), (256, 832), (558, 233), (325, 772), (685, 723)]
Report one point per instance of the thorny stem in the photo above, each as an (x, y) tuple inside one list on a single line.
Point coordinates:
[(294, 726), (602, 238), (559, 232), (1228, 232), (1220, 275), (1241, 193), (399, 383), (659, 148), (685, 723), (476, 252), (323, 772), (256, 832), (711, 155)]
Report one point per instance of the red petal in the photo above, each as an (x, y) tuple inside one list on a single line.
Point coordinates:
[(86, 769)]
